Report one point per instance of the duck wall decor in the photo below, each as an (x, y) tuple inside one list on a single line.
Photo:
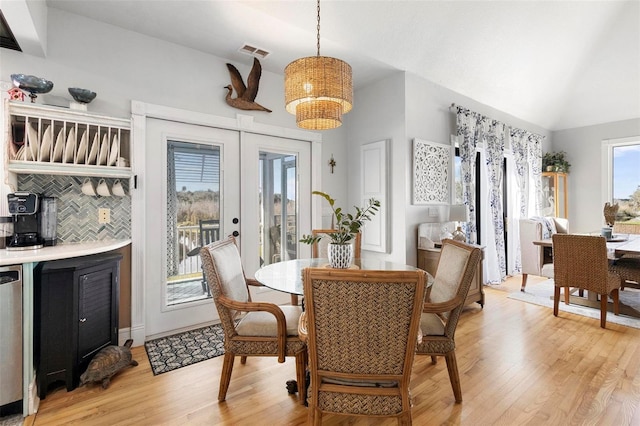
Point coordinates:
[(245, 95)]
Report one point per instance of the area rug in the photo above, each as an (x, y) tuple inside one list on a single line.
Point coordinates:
[(542, 293), (173, 352)]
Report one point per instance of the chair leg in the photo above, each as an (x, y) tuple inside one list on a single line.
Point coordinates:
[(434, 359), (243, 359), (294, 299), (603, 310), (454, 377), (556, 300), (524, 282), (404, 419), (314, 417), (301, 376), (225, 377), (615, 295), (567, 294)]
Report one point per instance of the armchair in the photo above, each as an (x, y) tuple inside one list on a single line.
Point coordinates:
[(250, 328), (456, 268), (535, 259)]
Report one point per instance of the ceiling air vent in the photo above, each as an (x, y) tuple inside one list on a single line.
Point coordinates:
[(254, 51)]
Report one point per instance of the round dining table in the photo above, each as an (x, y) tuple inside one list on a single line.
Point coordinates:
[(287, 276)]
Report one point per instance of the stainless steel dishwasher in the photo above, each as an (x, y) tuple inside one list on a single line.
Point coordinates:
[(10, 335)]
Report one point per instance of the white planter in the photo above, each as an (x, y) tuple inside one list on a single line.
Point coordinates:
[(340, 255)]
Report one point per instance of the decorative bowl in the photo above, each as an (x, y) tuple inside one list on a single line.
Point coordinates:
[(31, 84), (83, 96)]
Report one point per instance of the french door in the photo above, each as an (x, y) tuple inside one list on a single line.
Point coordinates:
[(206, 183)]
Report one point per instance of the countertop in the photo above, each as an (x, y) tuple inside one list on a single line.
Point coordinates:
[(60, 251)]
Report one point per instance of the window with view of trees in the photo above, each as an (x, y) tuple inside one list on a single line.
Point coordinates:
[(625, 161)]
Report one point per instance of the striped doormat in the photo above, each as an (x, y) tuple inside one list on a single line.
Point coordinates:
[(172, 352)]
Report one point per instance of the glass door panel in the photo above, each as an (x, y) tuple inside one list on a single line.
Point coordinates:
[(191, 187), (193, 216), (278, 208)]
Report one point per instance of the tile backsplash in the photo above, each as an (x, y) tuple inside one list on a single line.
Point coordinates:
[(77, 212)]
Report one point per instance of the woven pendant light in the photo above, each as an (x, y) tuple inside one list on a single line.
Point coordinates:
[(318, 90)]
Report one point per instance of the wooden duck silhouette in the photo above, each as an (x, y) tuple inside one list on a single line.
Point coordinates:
[(245, 95)]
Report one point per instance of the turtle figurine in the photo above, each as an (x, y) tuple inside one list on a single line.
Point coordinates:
[(107, 362)]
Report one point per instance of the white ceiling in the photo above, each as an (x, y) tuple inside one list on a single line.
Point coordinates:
[(557, 64)]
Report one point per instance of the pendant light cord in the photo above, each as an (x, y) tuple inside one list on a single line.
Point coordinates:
[(318, 27)]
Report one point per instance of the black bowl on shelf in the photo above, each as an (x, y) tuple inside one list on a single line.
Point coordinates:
[(83, 96), (31, 84)]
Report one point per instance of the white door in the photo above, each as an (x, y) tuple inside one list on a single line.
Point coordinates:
[(192, 175), (205, 181), (275, 203)]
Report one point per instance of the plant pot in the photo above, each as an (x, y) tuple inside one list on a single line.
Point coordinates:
[(340, 255), (549, 168)]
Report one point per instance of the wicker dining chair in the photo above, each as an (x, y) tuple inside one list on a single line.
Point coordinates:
[(250, 328), (628, 268), (362, 329), (441, 312), (581, 262)]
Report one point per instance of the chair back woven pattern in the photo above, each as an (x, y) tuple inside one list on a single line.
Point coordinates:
[(581, 261), (362, 327), (348, 314)]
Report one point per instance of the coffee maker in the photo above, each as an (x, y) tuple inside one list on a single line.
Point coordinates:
[(34, 221)]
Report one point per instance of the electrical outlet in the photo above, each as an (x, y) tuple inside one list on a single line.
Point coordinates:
[(104, 215)]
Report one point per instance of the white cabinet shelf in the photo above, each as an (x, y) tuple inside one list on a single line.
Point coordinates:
[(59, 141)]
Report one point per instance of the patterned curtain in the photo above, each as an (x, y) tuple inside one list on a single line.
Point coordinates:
[(527, 159), (493, 142), (172, 211), (467, 125), (535, 166), (475, 130), (520, 149)]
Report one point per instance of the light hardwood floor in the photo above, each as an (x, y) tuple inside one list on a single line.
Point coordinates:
[(518, 365)]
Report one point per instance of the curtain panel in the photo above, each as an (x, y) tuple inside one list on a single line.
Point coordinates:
[(477, 132)]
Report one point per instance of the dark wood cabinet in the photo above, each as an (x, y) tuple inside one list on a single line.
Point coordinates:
[(428, 261), (76, 315)]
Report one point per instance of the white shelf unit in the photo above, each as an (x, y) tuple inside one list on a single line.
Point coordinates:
[(41, 129)]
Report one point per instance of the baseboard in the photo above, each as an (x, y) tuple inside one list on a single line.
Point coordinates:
[(123, 335)]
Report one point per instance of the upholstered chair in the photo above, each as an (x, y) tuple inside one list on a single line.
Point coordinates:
[(352, 373), (441, 311), (537, 260), (250, 328), (581, 262)]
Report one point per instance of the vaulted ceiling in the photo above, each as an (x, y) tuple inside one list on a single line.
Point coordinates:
[(557, 64)]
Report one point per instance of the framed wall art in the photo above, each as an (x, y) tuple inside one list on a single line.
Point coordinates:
[(432, 165)]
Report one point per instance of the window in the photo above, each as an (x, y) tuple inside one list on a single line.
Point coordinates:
[(623, 180)]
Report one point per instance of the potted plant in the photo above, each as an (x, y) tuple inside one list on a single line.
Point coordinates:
[(555, 162), (346, 225)]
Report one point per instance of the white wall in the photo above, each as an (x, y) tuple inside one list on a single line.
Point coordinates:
[(121, 66), (583, 148), (400, 108), (379, 114)]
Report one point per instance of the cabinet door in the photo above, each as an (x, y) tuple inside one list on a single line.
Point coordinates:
[(96, 311)]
